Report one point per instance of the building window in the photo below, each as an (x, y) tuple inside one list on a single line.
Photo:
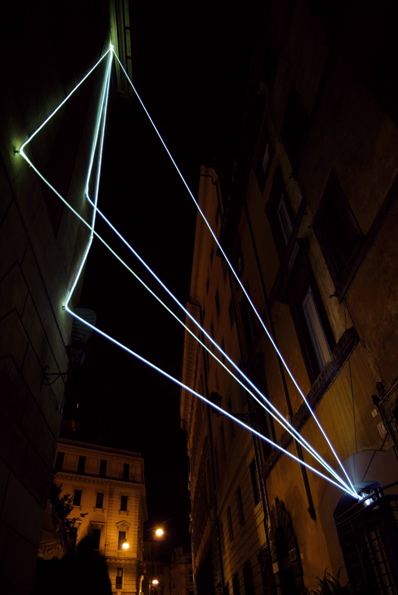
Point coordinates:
[(222, 544), (77, 497), (239, 504), (119, 578), (217, 303), (295, 129), (238, 261), (235, 584), (59, 462), (121, 539), (316, 331), (248, 579), (123, 502), (368, 535), (223, 445), (297, 287), (249, 323), (338, 232), (230, 526), (102, 468), (126, 471), (96, 536), (313, 329), (99, 501), (263, 159), (280, 214), (231, 312), (81, 466), (254, 482)]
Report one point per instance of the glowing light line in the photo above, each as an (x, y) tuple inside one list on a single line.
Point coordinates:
[(99, 132), (278, 352), (300, 438), (196, 394), (277, 416), (63, 102)]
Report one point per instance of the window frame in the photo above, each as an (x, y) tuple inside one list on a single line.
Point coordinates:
[(338, 233), (81, 464), (122, 537), (279, 197), (99, 500), (126, 472), (230, 525), (124, 502), (292, 287), (119, 578), (102, 467), (239, 504), (77, 497)]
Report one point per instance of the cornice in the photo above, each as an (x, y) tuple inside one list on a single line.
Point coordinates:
[(102, 481)]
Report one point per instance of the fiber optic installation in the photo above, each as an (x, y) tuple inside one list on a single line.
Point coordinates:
[(96, 156)]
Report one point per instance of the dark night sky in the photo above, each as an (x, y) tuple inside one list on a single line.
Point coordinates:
[(188, 73)]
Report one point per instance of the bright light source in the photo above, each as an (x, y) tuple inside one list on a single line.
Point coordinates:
[(159, 532), (125, 545), (155, 581)]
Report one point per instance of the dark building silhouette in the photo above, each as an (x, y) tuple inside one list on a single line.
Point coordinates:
[(46, 49)]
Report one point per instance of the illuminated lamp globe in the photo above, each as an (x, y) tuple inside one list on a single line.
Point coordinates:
[(155, 581), (159, 532), (125, 545)]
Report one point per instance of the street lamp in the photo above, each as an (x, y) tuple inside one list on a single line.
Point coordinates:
[(159, 532), (153, 584)]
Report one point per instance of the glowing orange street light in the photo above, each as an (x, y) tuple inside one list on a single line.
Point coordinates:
[(159, 532)]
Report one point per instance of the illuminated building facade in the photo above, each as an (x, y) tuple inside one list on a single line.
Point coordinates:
[(181, 574), (46, 50), (156, 569), (308, 217), (108, 490)]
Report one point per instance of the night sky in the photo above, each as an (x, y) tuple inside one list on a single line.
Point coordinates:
[(189, 71)]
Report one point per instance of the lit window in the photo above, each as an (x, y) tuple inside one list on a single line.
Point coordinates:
[(122, 539)]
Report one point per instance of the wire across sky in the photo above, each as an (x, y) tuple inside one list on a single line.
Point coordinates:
[(91, 193)]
